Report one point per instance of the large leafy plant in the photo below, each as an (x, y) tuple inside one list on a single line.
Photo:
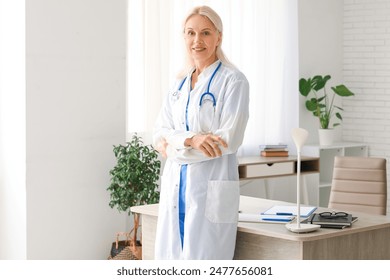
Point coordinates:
[(134, 177), (319, 102)]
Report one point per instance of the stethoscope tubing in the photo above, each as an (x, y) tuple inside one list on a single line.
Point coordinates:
[(208, 88), (207, 93)]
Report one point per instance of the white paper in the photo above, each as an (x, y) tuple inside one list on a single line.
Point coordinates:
[(306, 211)]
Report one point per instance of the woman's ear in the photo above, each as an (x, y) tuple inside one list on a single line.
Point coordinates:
[(219, 39)]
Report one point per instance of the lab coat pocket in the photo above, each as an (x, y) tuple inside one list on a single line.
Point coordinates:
[(222, 201)]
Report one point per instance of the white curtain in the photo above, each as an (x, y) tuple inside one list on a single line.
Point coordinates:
[(260, 37)]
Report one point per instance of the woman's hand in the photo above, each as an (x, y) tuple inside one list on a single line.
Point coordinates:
[(162, 147), (208, 144)]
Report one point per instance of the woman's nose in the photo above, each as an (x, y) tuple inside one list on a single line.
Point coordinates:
[(198, 38)]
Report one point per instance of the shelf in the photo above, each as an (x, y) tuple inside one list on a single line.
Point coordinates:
[(308, 166), (325, 184), (340, 145)]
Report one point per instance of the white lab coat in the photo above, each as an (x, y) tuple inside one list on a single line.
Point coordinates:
[(212, 192)]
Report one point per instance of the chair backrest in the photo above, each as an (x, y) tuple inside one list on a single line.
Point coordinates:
[(359, 184)]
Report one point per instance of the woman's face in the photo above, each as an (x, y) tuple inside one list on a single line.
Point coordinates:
[(202, 39)]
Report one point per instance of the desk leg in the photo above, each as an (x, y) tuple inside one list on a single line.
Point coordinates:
[(266, 188)]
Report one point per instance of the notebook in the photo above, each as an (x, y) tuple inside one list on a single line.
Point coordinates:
[(339, 222)]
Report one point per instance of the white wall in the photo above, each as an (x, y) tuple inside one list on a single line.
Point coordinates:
[(76, 96), (320, 50)]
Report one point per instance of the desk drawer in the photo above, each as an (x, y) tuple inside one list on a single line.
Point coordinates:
[(268, 170)]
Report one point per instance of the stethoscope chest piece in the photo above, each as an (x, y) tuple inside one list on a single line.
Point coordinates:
[(206, 114)]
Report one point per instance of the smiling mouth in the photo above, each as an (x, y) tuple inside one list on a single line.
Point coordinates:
[(198, 49)]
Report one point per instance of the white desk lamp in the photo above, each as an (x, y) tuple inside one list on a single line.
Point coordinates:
[(299, 136)]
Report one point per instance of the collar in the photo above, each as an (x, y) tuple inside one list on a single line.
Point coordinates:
[(206, 72)]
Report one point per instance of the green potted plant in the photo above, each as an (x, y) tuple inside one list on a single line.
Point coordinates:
[(134, 178), (321, 103)]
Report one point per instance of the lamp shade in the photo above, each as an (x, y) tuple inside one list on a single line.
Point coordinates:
[(299, 136)]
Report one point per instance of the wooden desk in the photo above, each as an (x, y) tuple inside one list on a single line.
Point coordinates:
[(257, 167), (368, 238)]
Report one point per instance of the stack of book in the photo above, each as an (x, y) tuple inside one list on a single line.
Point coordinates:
[(278, 150)]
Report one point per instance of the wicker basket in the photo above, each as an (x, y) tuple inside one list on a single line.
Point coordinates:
[(126, 249)]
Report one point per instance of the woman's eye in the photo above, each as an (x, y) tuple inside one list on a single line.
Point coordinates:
[(206, 33), (191, 33)]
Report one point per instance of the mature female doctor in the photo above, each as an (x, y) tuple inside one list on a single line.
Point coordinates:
[(199, 129)]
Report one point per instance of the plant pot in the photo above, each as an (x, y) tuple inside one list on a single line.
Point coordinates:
[(326, 136)]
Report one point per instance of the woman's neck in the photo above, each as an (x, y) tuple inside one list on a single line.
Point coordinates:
[(200, 66)]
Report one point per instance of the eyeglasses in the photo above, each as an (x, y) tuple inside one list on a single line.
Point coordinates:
[(333, 215)]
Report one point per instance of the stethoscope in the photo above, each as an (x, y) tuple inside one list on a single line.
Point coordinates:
[(204, 98)]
